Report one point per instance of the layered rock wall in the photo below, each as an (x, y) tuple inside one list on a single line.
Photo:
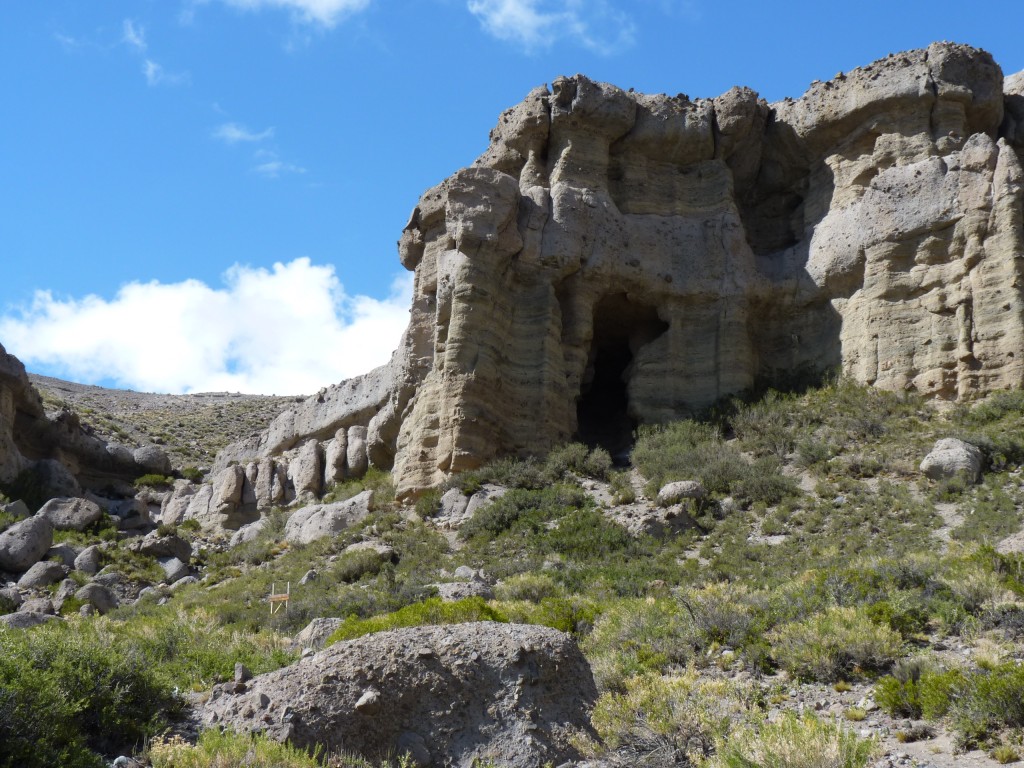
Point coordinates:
[(616, 258)]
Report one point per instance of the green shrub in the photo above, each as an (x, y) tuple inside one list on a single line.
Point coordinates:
[(687, 450), (834, 645), (622, 488), (153, 481), (636, 636), (96, 688), (430, 612), (429, 503), (532, 587), (676, 718), (192, 473), (221, 749), (795, 742), (987, 701)]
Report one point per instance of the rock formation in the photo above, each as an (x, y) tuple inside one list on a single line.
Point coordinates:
[(50, 454), (616, 258), (450, 695)]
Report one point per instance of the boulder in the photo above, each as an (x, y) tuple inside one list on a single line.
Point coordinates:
[(42, 574), (155, 544), (41, 605), (453, 591), (355, 451), (71, 514), (306, 470), (248, 532), (62, 553), (10, 599), (174, 569), (17, 508), (452, 511), (384, 552), (26, 620), (318, 520), (24, 544), (100, 597), (673, 493), (522, 692), (950, 458), (316, 632), (152, 459), (336, 458), (88, 560), (487, 494)]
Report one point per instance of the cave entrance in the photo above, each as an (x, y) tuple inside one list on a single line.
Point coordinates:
[(621, 328)]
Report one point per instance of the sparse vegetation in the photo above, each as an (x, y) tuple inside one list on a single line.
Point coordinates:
[(841, 578)]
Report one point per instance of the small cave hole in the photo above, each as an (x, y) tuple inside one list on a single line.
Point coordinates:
[(621, 328)]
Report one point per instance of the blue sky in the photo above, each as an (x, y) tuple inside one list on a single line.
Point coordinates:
[(206, 194)]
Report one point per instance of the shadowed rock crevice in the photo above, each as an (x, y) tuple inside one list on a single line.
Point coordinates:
[(621, 328)]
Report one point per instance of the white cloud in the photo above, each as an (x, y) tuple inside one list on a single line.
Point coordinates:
[(536, 24), (134, 35), (269, 165), (324, 12), (157, 75), (232, 133), (274, 168), (288, 330)]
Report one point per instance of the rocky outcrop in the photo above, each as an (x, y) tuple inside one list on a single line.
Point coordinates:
[(445, 695), (46, 454), (950, 458), (616, 258)]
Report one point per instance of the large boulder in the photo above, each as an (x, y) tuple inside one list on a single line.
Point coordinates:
[(950, 458), (155, 544), (152, 459), (42, 574), (99, 596), (24, 544), (319, 520), (67, 514), (520, 694)]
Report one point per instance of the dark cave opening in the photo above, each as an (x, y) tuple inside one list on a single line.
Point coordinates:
[(621, 328)]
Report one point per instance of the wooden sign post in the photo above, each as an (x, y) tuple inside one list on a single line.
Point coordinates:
[(276, 601)]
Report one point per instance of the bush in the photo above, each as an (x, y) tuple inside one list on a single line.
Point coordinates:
[(98, 691), (985, 702), (153, 481), (677, 717), (688, 450), (834, 645), (634, 637), (795, 742), (430, 612), (532, 587), (217, 749)]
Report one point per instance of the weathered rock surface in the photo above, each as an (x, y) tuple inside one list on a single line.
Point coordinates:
[(23, 544), (316, 633), (318, 520), (168, 545), (448, 695), (99, 596), (26, 619), (42, 574), (616, 258), (951, 457), (71, 514), (673, 493)]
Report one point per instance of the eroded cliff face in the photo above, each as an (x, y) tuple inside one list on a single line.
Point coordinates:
[(616, 258), (48, 454)]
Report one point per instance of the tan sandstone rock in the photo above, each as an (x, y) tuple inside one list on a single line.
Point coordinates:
[(616, 258)]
